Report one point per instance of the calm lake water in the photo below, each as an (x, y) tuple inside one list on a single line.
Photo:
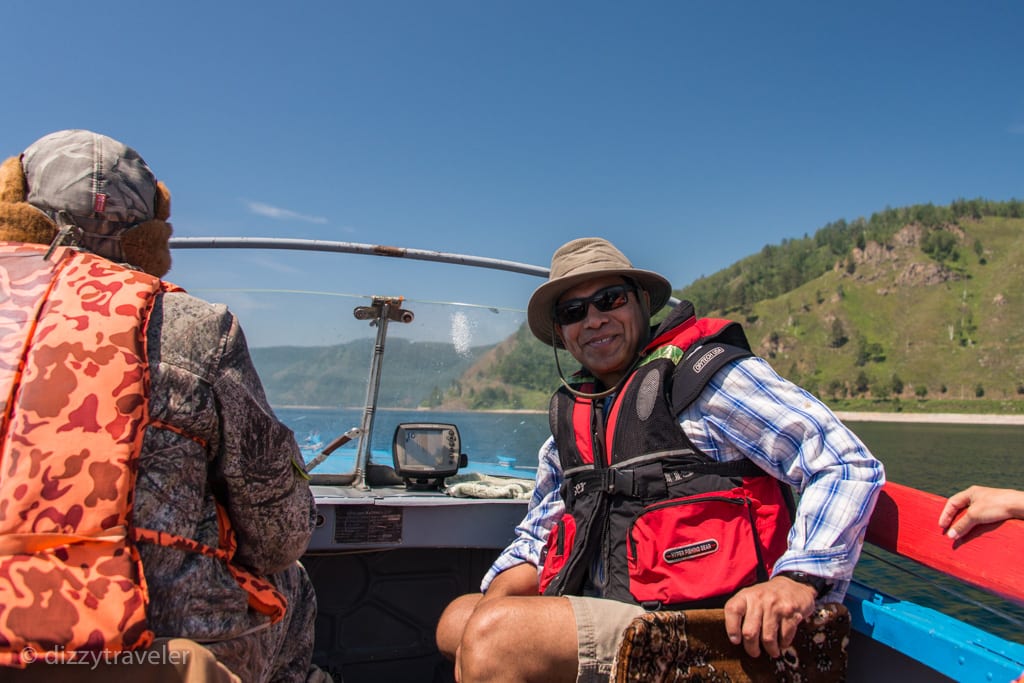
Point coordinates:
[(944, 459), (941, 459)]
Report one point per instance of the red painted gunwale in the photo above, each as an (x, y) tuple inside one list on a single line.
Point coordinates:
[(905, 522)]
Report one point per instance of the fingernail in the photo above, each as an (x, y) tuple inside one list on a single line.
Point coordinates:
[(952, 534)]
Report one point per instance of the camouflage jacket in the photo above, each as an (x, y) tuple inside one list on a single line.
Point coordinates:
[(213, 435)]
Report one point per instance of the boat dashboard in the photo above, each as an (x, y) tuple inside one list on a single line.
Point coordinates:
[(393, 517)]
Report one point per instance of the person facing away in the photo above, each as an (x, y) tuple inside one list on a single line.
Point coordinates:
[(664, 485), (148, 489)]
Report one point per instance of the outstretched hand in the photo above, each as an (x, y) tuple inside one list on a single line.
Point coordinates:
[(768, 614), (981, 505)]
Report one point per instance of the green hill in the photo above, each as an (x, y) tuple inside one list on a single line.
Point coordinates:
[(893, 322), (918, 308)]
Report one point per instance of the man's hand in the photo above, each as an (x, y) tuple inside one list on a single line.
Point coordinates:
[(982, 505), (768, 614)]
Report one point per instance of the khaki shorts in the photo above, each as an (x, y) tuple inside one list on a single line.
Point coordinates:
[(599, 627)]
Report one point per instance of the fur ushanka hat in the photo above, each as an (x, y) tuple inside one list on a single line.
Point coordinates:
[(100, 187)]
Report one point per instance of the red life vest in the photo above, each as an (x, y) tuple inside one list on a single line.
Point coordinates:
[(666, 525), (74, 387)]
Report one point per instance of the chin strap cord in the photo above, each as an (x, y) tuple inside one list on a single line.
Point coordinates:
[(577, 392), (69, 232)]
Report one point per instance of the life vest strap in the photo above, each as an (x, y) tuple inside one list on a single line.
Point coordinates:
[(649, 480), (28, 543), (263, 596)]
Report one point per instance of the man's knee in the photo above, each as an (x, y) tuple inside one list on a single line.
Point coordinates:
[(489, 639), (520, 638), (481, 657), (452, 623)]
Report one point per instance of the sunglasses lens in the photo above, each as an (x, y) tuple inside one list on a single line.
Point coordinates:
[(575, 310), (571, 312), (610, 299)]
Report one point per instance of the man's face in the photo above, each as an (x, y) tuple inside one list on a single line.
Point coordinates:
[(605, 342)]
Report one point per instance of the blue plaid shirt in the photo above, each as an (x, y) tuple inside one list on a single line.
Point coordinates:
[(748, 411)]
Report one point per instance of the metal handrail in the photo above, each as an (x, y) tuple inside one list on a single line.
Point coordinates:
[(298, 244)]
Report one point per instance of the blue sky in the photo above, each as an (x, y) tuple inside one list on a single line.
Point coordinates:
[(689, 133)]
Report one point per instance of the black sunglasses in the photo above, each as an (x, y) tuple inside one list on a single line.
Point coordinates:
[(607, 299)]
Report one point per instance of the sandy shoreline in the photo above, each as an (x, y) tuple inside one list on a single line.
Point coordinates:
[(922, 418), (932, 418), (845, 416)]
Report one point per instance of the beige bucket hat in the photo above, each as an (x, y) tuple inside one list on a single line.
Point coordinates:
[(580, 260)]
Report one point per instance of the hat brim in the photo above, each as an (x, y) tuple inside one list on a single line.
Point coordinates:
[(540, 311)]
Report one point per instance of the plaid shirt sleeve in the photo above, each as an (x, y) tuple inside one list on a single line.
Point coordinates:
[(748, 410), (545, 509)]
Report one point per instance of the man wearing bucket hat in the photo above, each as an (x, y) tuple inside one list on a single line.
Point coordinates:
[(665, 485), (148, 490)]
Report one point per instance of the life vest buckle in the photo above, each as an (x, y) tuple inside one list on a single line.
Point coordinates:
[(618, 481)]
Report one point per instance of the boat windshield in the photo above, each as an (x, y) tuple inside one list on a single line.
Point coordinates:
[(313, 321)]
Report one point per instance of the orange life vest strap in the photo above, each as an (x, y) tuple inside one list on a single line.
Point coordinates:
[(263, 596)]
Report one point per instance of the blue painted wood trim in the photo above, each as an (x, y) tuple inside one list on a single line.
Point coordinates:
[(941, 642)]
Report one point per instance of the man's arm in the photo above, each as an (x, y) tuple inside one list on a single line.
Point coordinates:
[(749, 411), (520, 579), (267, 493), (544, 510)]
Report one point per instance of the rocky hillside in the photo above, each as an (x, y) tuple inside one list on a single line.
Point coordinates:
[(892, 321), (923, 304)]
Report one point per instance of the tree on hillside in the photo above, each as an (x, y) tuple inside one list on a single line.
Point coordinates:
[(528, 364), (880, 390), (964, 328), (835, 389), (490, 397), (777, 269), (435, 399), (963, 208), (868, 352), (838, 337), (941, 245)]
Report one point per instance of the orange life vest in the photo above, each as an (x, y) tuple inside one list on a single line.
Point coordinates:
[(74, 387)]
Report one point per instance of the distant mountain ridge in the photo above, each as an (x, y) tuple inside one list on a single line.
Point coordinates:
[(914, 304), (336, 376)]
